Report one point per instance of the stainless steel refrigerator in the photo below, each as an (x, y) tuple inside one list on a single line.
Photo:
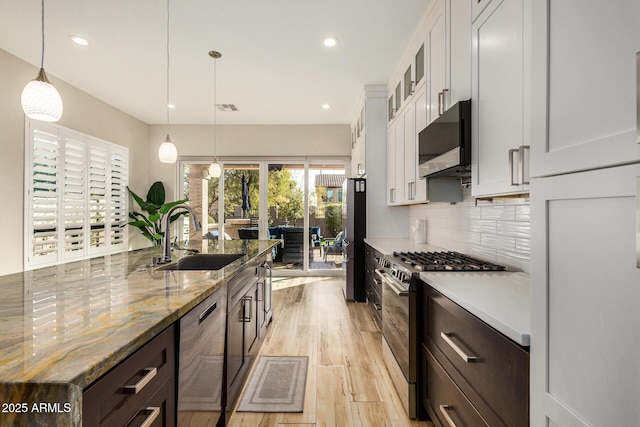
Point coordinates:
[(355, 229)]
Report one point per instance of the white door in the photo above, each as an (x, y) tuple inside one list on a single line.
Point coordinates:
[(437, 83), (584, 85), (498, 86), (585, 336)]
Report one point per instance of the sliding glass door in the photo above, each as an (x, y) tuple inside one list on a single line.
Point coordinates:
[(298, 203)]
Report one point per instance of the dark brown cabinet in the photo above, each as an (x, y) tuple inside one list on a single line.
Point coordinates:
[(247, 302), (470, 370), (201, 362), (140, 389), (447, 403), (264, 308), (194, 370), (373, 287)]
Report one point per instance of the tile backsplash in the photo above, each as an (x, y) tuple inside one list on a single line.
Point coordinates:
[(496, 230)]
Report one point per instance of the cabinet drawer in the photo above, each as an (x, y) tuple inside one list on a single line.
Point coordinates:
[(120, 394), (446, 404), (490, 369), (159, 410)]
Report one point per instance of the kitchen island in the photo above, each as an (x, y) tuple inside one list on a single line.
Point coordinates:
[(65, 326)]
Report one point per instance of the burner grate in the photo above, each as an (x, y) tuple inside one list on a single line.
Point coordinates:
[(445, 261)]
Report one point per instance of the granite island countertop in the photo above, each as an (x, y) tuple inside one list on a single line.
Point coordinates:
[(62, 327)]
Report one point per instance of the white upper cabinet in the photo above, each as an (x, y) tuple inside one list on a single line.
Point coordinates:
[(426, 83), (401, 191), (449, 56), (500, 94), (459, 13), (392, 193), (414, 119), (437, 62), (584, 85)]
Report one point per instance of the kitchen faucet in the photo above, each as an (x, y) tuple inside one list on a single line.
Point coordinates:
[(166, 240)]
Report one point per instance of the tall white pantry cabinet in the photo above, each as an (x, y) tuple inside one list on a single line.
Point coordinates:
[(585, 160)]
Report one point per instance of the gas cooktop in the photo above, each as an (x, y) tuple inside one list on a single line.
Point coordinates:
[(444, 261)]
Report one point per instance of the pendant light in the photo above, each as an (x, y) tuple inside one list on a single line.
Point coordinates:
[(214, 169), (40, 99), (167, 153)]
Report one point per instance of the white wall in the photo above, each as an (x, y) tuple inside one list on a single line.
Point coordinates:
[(497, 231), (82, 112), (245, 140)]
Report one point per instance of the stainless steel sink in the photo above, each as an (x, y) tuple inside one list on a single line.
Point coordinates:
[(202, 262)]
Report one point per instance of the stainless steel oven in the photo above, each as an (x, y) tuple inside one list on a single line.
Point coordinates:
[(399, 329), (402, 312)]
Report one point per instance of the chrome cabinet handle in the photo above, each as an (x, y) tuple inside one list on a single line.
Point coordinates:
[(521, 150), (392, 195), (444, 411), (261, 285), (412, 87), (385, 278), (377, 306), (137, 387), (521, 163), (153, 411), (441, 101), (246, 318), (412, 190), (461, 353), (207, 311), (511, 153)]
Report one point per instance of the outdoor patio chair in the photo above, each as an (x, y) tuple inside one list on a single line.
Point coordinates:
[(336, 248)]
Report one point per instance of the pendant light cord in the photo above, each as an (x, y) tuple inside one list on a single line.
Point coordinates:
[(42, 54), (215, 107), (167, 67)]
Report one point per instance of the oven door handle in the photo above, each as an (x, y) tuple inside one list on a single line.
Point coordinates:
[(385, 278)]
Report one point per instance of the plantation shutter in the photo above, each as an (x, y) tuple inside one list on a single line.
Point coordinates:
[(97, 199), (43, 196), (76, 199), (118, 201)]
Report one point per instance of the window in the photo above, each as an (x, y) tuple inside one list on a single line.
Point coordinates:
[(76, 198)]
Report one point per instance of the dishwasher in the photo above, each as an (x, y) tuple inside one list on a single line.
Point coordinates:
[(201, 362)]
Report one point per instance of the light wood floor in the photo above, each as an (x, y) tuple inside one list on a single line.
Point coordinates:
[(347, 383)]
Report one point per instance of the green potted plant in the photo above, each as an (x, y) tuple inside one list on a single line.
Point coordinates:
[(154, 209)]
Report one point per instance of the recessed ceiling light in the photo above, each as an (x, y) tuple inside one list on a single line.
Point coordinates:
[(330, 41), (171, 106), (79, 40), (326, 106)]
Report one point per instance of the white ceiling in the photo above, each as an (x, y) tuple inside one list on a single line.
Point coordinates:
[(274, 67)]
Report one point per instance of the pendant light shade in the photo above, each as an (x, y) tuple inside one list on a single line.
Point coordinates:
[(40, 99), (167, 153), (215, 170)]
